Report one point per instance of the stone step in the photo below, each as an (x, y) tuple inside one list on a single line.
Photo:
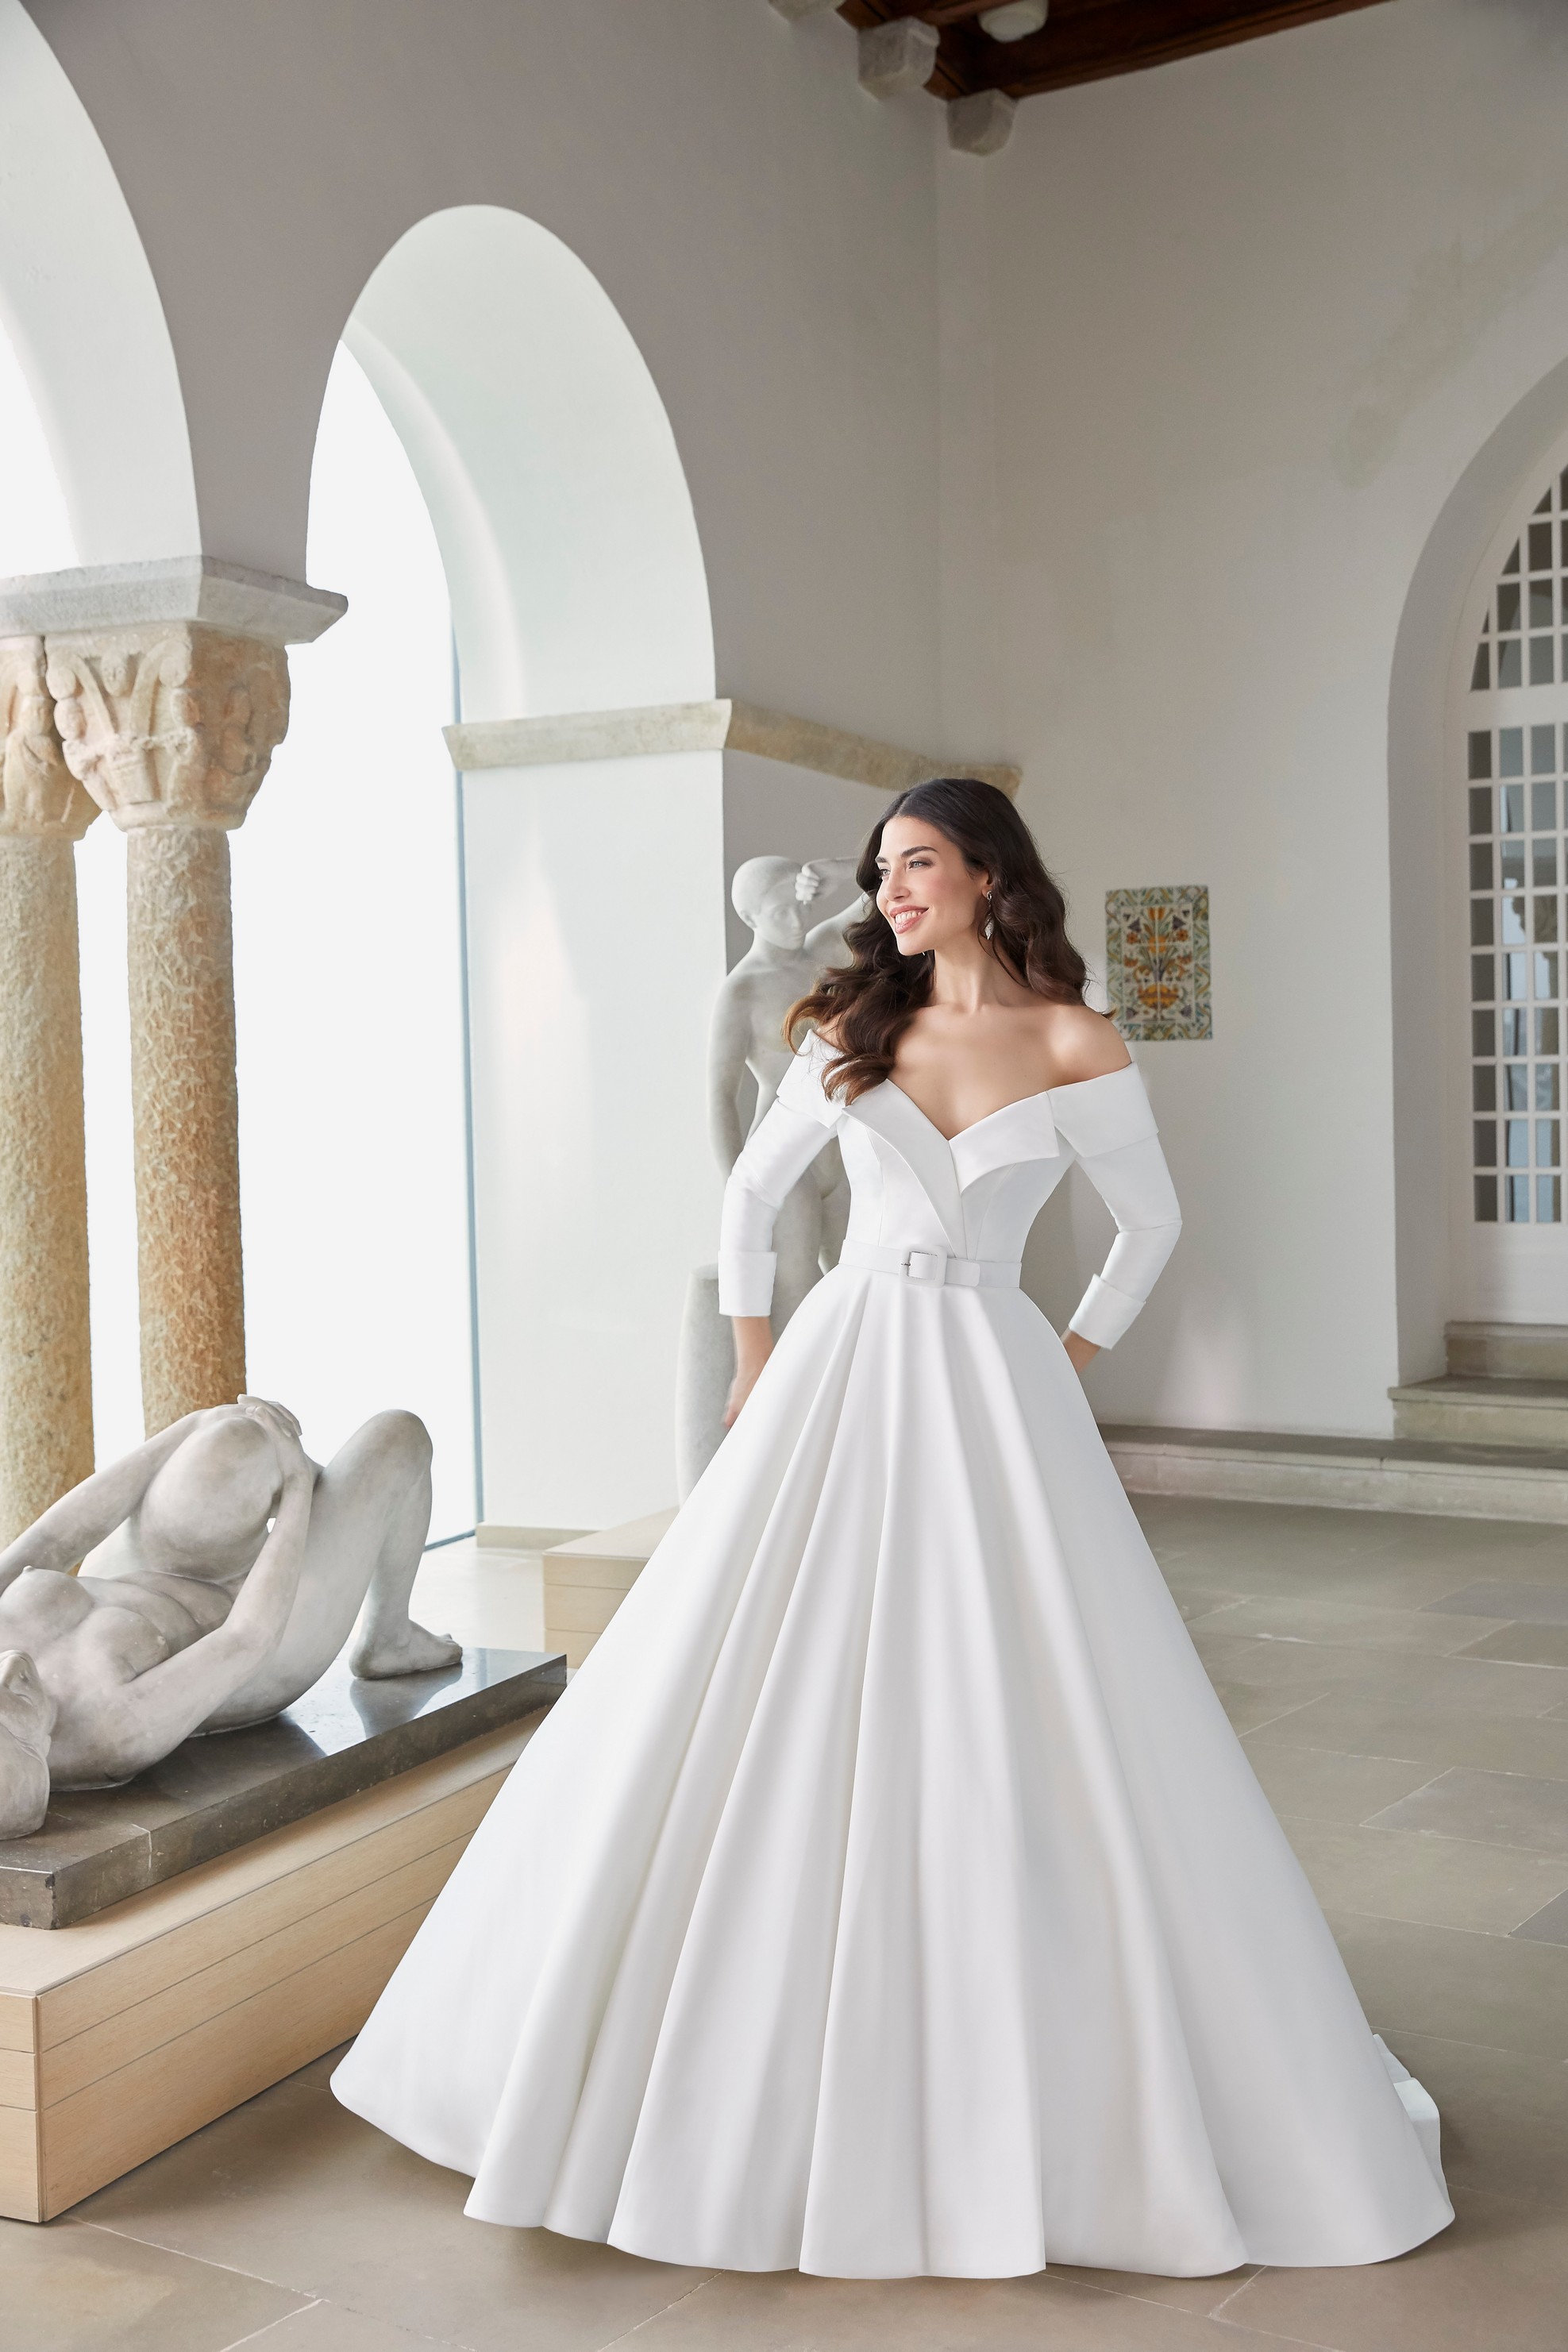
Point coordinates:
[(1522, 1351), (1357, 1474), (1462, 1410)]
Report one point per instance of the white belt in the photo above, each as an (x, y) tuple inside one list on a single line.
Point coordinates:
[(932, 1267)]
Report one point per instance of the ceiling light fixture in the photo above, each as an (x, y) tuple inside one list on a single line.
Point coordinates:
[(1016, 20)]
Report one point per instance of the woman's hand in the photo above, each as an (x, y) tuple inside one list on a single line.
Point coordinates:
[(1081, 1352), (753, 1346), (283, 1430)]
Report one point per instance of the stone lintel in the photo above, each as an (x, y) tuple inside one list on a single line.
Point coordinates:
[(559, 739), (93, 598)]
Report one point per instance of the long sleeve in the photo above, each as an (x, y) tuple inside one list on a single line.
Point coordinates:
[(1111, 1127), (776, 1155)]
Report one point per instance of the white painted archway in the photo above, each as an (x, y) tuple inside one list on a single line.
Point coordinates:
[(595, 892), (82, 309)]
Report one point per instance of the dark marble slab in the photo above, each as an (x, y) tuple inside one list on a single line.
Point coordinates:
[(214, 1793)]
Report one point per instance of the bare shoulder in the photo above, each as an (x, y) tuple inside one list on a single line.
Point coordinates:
[(1080, 1044)]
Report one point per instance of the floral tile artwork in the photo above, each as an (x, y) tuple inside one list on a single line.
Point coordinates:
[(1156, 955)]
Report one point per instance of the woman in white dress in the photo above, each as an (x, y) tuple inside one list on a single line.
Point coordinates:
[(888, 1894)]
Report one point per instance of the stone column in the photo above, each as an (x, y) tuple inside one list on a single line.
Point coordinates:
[(171, 727), (46, 1370)]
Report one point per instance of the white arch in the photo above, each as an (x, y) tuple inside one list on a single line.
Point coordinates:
[(1436, 629), (82, 309), (549, 466), (547, 461)]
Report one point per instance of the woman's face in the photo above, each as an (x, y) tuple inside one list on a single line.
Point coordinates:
[(928, 893)]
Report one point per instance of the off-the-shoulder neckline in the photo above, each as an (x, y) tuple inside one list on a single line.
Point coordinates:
[(1045, 1094)]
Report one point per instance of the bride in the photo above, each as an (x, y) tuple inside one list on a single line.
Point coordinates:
[(888, 1894)]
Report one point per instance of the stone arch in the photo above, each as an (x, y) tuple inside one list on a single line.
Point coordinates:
[(79, 303)]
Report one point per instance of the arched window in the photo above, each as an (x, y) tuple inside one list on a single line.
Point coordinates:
[(1516, 737)]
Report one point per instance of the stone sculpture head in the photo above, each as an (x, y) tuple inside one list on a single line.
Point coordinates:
[(26, 1720), (766, 896)]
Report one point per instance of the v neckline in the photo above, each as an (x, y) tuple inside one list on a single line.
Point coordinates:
[(975, 1124)]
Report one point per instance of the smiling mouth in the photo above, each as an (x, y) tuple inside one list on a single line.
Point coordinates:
[(904, 918)]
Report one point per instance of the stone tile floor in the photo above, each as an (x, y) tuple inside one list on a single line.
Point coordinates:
[(1402, 1690)]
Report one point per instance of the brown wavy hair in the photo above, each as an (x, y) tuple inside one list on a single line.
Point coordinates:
[(870, 1002)]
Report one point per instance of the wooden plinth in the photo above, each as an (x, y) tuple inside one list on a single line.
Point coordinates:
[(586, 1581), (121, 2034)]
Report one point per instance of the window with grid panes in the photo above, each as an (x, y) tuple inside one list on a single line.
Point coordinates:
[(1517, 776)]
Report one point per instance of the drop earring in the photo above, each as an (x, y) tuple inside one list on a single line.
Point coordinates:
[(990, 920)]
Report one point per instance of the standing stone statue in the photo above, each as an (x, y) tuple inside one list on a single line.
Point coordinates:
[(774, 897), (227, 1570)]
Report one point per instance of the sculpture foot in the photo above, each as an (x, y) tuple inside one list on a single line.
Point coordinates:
[(408, 1648)]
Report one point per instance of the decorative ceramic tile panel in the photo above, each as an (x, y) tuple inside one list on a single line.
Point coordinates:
[(1157, 953)]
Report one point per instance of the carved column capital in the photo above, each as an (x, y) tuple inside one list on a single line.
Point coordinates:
[(38, 794), (168, 723)]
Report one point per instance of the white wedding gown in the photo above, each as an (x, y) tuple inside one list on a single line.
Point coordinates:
[(888, 1894)]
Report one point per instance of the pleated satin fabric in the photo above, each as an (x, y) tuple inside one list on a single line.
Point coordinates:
[(888, 1894)]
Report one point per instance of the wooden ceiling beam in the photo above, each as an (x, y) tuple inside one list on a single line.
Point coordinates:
[(1087, 40)]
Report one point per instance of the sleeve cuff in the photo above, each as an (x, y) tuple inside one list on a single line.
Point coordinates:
[(745, 1281), (1104, 1314)]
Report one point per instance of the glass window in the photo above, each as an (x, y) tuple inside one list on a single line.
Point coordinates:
[(1480, 808), (1481, 921), (1516, 1085), (1548, 1088), (1512, 564), (1544, 862), (1483, 1034), (1480, 669), (1510, 751), (1480, 866), (1480, 755), (1544, 751), (1547, 1028), (1513, 932), (1546, 1143), (1540, 666), (1511, 798), (1511, 864), (1509, 667), (1516, 1200), (1540, 547), (1485, 1200), (1541, 613), (1515, 975), (1481, 979), (1549, 1200), (1483, 1087), (1545, 977), (1486, 1143), (1516, 1142), (1546, 919), (1542, 809), (1509, 613)]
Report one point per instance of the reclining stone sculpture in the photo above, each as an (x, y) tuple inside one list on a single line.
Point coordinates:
[(226, 1572)]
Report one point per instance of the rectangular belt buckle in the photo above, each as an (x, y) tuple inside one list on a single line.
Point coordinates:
[(925, 1266)]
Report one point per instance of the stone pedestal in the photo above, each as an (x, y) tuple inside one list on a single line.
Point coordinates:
[(46, 1383), (171, 727)]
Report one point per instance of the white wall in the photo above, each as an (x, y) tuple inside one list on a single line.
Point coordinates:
[(1254, 316), (750, 235)]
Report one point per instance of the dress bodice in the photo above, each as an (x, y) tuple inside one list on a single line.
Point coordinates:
[(972, 1196)]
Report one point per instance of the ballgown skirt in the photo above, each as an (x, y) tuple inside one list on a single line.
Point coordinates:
[(888, 1894)]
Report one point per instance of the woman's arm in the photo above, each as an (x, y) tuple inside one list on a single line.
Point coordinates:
[(1112, 1128), (775, 1159), (70, 1529)]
